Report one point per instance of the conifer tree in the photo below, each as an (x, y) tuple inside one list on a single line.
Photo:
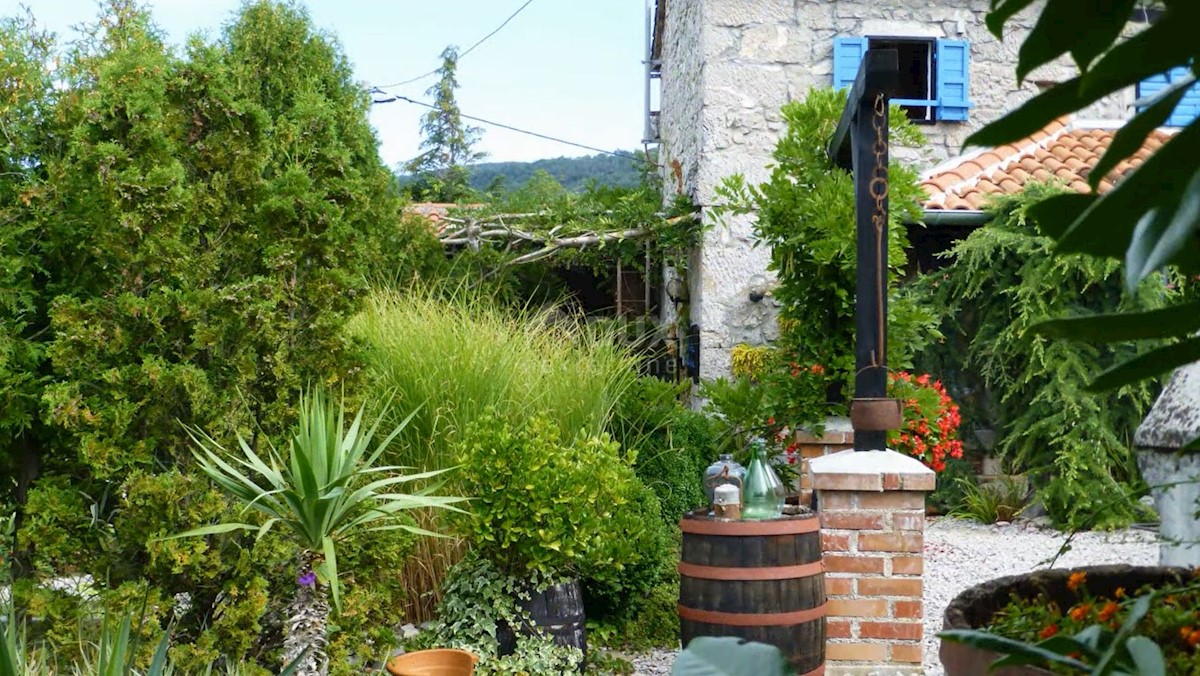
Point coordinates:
[(448, 145)]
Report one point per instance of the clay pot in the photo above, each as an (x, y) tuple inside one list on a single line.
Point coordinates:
[(438, 662), (974, 607)]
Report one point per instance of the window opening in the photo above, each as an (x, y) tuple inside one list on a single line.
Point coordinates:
[(918, 81)]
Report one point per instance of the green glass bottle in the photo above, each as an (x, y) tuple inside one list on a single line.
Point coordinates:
[(762, 492)]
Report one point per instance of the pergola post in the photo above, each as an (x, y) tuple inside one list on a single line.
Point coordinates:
[(871, 500), (860, 144)]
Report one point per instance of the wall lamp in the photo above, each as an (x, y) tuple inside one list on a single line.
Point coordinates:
[(758, 288)]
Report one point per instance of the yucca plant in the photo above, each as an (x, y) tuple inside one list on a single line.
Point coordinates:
[(325, 490)]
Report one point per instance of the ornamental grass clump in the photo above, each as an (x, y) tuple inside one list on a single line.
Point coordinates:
[(327, 488), (460, 354)]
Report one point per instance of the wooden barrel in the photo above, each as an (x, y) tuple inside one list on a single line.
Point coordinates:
[(556, 611), (758, 580)]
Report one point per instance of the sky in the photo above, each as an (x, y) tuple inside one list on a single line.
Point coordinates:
[(564, 68)]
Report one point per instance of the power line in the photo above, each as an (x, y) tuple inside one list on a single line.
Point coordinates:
[(469, 49), (397, 97)]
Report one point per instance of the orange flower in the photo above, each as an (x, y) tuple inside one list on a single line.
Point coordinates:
[(1184, 632), (1120, 593), (1080, 612), (1050, 630), (1076, 580), (1193, 638), (1108, 611)]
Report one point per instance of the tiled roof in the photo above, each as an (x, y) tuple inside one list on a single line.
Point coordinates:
[(1064, 152), (437, 212)]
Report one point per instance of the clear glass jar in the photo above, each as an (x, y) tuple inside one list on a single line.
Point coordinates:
[(725, 470), (763, 493)]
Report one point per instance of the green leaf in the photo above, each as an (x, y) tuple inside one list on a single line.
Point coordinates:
[(1083, 27), (1130, 137), (1163, 45), (1147, 656), (728, 656), (1002, 11), (331, 571), (1033, 115), (1152, 363), (1054, 215), (1106, 228), (10, 653), (1007, 646), (291, 668), (1061, 645), (215, 529), (1136, 613), (158, 665), (1174, 320), (1163, 232)]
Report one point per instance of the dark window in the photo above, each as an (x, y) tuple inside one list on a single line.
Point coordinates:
[(917, 78)]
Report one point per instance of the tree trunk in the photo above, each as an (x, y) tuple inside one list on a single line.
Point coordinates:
[(308, 616)]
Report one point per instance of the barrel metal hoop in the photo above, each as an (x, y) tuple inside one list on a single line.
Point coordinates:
[(752, 619), (764, 573), (746, 528)]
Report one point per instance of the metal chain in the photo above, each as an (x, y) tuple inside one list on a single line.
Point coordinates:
[(879, 191)]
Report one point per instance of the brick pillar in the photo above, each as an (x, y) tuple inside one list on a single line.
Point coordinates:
[(838, 436), (872, 510)]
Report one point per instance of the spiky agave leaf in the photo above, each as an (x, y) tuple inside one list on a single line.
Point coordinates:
[(327, 489)]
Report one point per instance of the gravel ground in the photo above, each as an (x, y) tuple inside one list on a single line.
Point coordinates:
[(959, 554)]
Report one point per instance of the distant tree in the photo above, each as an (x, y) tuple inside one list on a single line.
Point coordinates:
[(441, 172)]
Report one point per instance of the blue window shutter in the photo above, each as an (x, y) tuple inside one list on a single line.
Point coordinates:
[(847, 55), (953, 79), (1189, 106)]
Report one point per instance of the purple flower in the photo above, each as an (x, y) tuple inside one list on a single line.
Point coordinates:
[(308, 579)]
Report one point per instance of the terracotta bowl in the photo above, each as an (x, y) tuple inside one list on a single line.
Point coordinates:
[(438, 662)]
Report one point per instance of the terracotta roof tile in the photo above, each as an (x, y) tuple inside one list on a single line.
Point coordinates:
[(1058, 153)]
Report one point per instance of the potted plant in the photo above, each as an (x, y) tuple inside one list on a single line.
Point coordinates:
[(1093, 620), (549, 510), (323, 488)]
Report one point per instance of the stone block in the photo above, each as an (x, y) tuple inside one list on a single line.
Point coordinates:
[(746, 12)]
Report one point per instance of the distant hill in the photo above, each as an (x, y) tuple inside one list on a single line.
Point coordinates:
[(572, 172)]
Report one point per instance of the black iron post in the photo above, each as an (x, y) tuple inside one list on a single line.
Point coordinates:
[(861, 145)]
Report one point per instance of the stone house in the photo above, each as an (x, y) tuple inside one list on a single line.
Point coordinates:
[(723, 69)]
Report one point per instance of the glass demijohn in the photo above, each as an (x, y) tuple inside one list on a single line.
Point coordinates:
[(762, 493)]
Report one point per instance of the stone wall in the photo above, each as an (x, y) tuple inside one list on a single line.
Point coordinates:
[(728, 67)]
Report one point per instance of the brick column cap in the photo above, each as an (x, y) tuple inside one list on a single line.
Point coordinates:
[(870, 471)]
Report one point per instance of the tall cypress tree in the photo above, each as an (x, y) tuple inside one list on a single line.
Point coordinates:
[(449, 144)]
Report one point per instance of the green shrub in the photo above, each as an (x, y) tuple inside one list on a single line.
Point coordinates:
[(1073, 444), (545, 508), (673, 445), (186, 232), (651, 623)]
